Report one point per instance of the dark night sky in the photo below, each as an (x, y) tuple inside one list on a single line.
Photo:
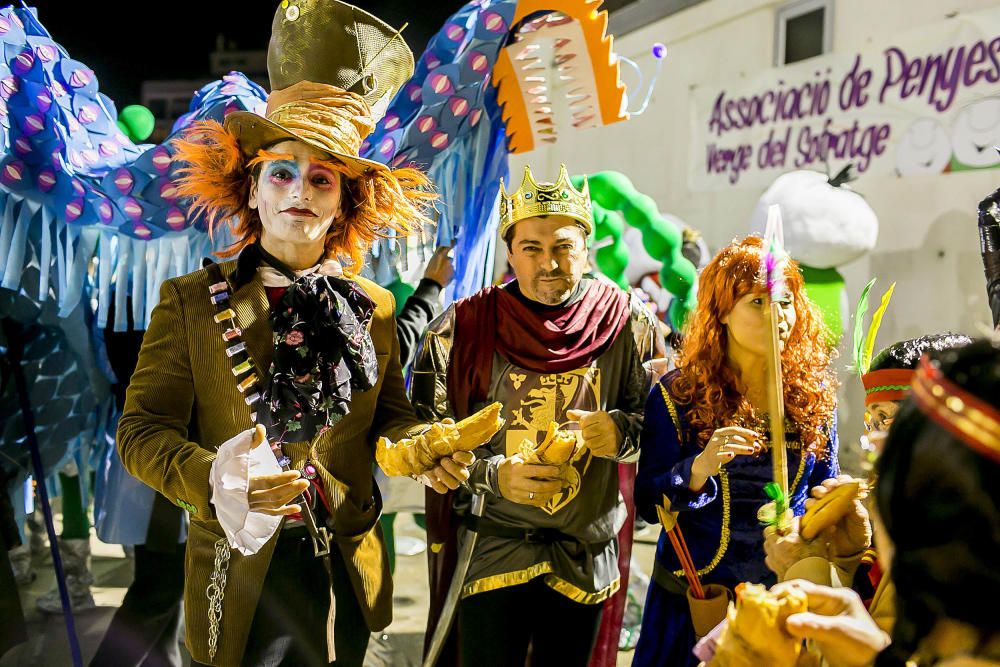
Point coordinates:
[(126, 43)]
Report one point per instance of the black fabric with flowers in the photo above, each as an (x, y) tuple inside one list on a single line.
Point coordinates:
[(323, 352)]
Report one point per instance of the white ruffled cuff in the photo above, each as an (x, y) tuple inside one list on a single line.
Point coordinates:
[(235, 463)]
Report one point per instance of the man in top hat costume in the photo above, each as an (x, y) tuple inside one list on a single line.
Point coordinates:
[(555, 348), (286, 346)]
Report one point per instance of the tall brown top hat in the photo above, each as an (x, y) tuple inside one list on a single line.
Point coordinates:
[(330, 64)]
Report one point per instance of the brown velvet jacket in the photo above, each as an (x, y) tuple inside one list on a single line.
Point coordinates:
[(182, 403)]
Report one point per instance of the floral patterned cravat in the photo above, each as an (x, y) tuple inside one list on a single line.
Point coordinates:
[(323, 352)]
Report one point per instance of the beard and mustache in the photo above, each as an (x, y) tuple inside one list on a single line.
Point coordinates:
[(552, 288)]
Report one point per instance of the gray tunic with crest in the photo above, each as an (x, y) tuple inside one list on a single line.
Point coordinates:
[(590, 510)]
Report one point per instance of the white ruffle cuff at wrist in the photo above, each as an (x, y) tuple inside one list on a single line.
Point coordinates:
[(235, 463)]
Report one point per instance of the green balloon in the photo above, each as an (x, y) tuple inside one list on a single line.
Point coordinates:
[(612, 191), (137, 122), (612, 258)]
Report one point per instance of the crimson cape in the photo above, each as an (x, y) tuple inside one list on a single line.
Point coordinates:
[(543, 341)]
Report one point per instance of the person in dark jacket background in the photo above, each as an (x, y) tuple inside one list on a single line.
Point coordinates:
[(424, 304)]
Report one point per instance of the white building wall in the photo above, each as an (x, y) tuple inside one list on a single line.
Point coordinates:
[(928, 241)]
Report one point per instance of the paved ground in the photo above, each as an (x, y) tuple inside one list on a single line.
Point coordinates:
[(48, 645)]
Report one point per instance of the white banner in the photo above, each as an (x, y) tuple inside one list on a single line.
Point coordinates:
[(926, 103)]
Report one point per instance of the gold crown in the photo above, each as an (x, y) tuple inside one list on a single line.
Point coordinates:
[(535, 199)]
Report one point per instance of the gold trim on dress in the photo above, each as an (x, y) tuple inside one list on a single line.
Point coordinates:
[(575, 594), (723, 535), (723, 490), (506, 579), (801, 471)]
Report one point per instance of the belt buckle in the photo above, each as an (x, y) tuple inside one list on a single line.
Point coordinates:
[(535, 536), (321, 543)]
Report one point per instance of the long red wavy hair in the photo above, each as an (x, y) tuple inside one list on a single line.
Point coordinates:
[(218, 178), (706, 384)]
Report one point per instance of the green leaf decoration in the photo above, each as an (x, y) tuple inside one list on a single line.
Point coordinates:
[(866, 357), (859, 322)]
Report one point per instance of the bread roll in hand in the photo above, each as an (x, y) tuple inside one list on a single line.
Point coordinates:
[(755, 632), (415, 456), (558, 447), (830, 509)]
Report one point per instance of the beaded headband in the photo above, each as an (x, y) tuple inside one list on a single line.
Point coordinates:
[(970, 419)]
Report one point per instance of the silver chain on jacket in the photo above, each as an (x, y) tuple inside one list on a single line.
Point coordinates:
[(216, 591)]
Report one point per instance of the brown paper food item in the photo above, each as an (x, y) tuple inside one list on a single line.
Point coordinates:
[(558, 447), (830, 509), (415, 456), (755, 633)]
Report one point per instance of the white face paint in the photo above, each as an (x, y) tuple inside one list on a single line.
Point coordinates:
[(975, 132), (924, 149), (297, 199)]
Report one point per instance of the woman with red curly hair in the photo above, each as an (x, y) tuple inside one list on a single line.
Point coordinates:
[(704, 442)]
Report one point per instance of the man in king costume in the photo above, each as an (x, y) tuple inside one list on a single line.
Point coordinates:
[(286, 346), (555, 347)]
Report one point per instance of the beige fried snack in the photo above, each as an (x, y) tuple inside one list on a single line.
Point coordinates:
[(830, 509), (415, 456), (558, 447), (755, 633)]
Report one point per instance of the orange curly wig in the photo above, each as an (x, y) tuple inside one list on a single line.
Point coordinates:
[(705, 382), (218, 179)]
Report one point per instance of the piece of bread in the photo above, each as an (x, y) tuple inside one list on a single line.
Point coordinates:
[(830, 509), (477, 429), (755, 632), (557, 447), (417, 455)]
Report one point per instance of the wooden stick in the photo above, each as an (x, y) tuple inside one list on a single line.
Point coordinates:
[(669, 522), (773, 266), (696, 582), (776, 410), (687, 563)]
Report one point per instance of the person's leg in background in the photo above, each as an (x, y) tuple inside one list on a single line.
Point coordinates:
[(145, 629), (74, 547), (13, 629)]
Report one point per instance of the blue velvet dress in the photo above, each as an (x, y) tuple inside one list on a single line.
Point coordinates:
[(667, 636)]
